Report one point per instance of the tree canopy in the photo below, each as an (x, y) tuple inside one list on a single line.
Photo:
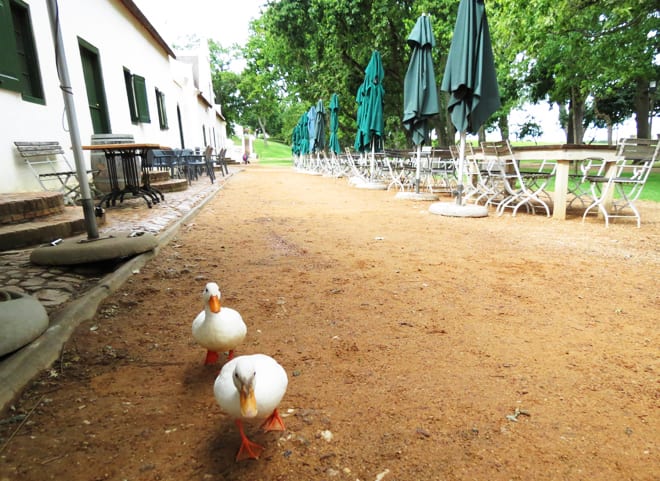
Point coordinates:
[(593, 58)]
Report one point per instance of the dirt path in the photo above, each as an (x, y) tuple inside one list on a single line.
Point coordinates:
[(427, 347)]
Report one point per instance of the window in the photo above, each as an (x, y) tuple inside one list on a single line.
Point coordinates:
[(19, 65), (128, 80), (136, 90), (162, 112)]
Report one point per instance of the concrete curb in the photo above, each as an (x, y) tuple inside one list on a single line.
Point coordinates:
[(20, 368)]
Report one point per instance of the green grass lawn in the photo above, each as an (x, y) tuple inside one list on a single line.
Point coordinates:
[(274, 153)]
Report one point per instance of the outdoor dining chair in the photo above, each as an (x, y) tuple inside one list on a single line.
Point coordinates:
[(477, 186), (511, 188), (615, 195), (579, 186)]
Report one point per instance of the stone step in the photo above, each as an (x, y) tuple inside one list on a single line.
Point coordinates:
[(25, 206), (171, 185), (158, 175), (41, 230)]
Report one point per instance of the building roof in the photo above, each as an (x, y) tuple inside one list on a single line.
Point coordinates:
[(137, 13)]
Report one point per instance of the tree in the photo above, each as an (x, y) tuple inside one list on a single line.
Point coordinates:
[(571, 49)]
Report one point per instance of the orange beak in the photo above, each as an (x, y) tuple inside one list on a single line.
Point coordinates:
[(214, 304), (248, 402)]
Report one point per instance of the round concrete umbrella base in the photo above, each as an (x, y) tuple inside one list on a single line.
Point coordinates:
[(451, 209), (79, 251), (417, 196), (22, 319)]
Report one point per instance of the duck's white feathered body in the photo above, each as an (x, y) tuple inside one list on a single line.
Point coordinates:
[(251, 387), (217, 328), (219, 332), (270, 383)]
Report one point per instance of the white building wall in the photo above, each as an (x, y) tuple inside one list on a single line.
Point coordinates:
[(27, 121), (122, 42)]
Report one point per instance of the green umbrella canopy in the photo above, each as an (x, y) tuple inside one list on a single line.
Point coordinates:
[(470, 75), (303, 134), (370, 105), (333, 142), (319, 131), (311, 128), (420, 93)]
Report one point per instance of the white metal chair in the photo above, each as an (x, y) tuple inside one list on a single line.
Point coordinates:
[(512, 188), (52, 169), (615, 195), (477, 186), (578, 185)]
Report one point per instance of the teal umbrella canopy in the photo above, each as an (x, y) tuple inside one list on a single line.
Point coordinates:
[(319, 130), (370, 124), (333, 141), (420, 92), (311, 128), (303, 135), (470, 76)]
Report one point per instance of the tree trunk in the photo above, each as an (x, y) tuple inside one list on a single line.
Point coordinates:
[(263, 130), (642, 105), (577, 115), (503, 124), (608, 122), (444, 129), (566, 122)]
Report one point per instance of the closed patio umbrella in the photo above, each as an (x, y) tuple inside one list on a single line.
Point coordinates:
[(470, 76), (311, 128), (319, 132), (370, 124), (303, 135), (333, 141), (420, 95)]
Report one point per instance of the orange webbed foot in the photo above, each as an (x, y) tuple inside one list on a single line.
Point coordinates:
[(273, 422), (248, 449)]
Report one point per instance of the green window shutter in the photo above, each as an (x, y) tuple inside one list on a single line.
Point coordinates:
[(9, 71), (130, 93), (140, 89), (26, 54), (162, 112)]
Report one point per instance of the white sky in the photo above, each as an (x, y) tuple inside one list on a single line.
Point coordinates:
[(225, 21)]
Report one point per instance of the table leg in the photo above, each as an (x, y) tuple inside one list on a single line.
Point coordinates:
[(608, 195), (561, 188)]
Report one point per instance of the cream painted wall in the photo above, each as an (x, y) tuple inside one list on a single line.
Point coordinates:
[(122, 42)]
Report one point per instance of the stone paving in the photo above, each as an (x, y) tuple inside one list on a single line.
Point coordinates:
[(54, 286)]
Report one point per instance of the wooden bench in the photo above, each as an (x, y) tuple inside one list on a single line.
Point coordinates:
[(52, 169)]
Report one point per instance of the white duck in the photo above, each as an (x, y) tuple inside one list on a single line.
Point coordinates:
[(251, 387), (217, 328)]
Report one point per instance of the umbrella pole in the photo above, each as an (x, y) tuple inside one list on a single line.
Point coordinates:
[(461, 163), (419, 161), (373, 159), (74, 133)]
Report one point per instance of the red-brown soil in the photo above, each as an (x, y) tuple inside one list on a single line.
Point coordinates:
[(427, 347)]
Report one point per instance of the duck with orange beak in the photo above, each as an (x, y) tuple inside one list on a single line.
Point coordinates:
[(217, 328), (252, 387)]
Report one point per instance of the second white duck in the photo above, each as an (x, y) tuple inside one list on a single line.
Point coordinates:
[(217, 328)]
